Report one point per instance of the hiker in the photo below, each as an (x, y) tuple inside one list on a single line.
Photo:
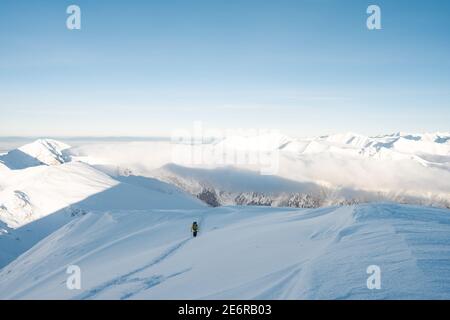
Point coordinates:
[(194, 229)]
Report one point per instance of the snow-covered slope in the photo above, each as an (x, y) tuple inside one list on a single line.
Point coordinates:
[(37, 200), (39, 191), (242, 252)]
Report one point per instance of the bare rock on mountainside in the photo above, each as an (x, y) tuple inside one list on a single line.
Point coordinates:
[(209, 196), (253, 199)]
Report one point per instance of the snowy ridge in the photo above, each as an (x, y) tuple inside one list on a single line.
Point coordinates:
[(47, 151), (32, 193), (324, 255), (406, 143), (42, 151), (400, 143), (38, 199), (42, 199)]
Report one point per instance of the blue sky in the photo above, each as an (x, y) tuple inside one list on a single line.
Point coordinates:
[(146, 68)]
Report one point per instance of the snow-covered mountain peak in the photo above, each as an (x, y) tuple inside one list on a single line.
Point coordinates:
[(40, 152), (47, 151), (349, 139)]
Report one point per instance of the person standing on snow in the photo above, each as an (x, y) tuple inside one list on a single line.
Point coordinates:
[(194, 229)]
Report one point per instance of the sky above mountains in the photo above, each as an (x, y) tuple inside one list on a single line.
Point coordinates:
[(147, 68)]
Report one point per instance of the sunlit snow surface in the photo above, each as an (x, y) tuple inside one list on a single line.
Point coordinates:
[(242, 253), (122, 212)]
